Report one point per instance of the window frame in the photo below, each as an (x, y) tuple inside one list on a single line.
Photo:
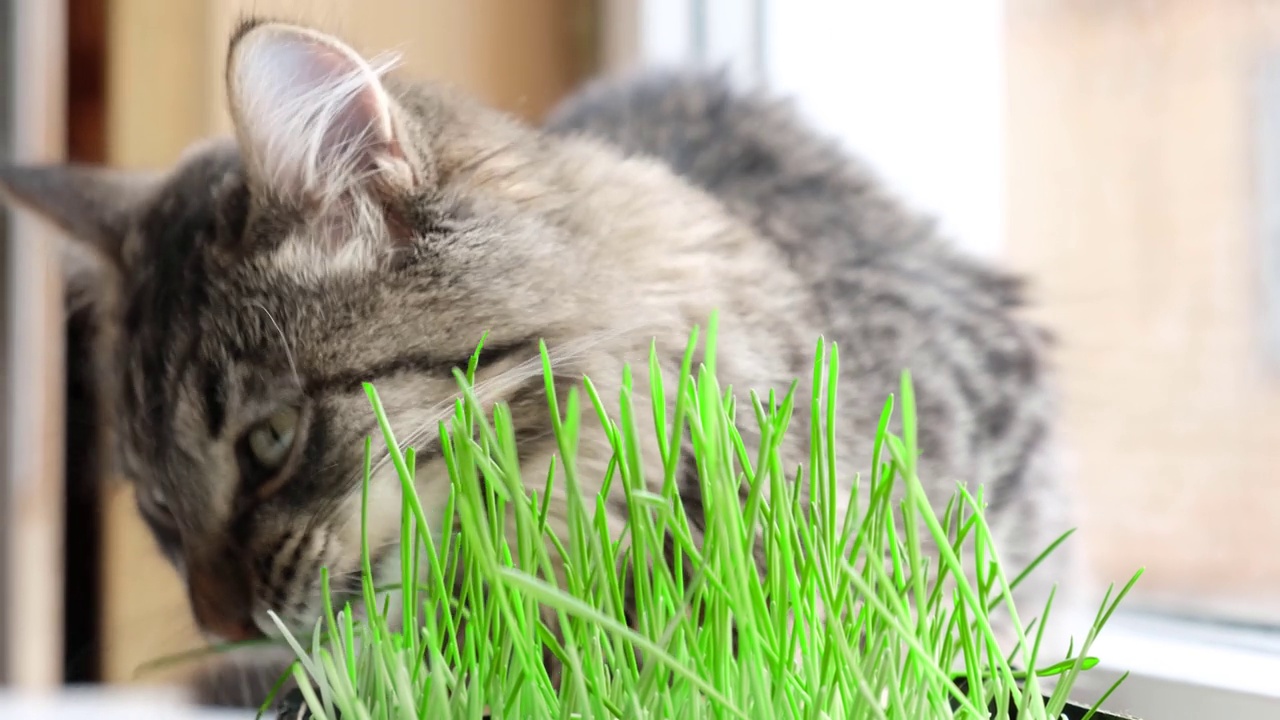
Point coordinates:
[(31, 531)]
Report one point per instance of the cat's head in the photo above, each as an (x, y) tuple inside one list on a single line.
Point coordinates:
[(353, 230)]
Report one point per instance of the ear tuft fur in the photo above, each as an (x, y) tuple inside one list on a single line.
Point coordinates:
[(313, 118)]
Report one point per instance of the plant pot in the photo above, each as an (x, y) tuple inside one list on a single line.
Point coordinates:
[(293, 707), (1073, 711)]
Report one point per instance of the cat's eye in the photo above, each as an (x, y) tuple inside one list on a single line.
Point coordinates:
[(268, 443)]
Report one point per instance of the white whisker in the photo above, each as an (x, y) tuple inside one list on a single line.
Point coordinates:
[(288, 353)]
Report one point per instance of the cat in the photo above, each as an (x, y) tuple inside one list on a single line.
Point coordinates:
[(363, 227)]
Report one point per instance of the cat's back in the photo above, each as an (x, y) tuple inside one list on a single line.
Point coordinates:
[(797, 187), (893, 292), (747, 151), (859, 248)]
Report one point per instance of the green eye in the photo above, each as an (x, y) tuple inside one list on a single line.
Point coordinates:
[(270, 441)]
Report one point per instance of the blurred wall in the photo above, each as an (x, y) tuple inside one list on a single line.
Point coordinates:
[(1132, 158), (165, 90)]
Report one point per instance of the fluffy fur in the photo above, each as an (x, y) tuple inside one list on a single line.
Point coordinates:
[(364, 228)]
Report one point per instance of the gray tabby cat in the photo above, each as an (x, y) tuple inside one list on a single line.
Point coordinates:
[(362, 228)]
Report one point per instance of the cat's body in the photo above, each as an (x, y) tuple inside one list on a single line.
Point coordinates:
[(378, 236), (876, 277)]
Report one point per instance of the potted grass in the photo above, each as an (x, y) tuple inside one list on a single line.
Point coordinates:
[(825, 635)]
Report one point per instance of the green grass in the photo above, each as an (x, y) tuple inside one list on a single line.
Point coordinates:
[(905, 638)]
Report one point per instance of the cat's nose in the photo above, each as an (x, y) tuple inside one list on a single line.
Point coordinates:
[(222, 599), (233, 630)]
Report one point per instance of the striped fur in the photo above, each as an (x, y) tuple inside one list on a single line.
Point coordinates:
[(643, 206)]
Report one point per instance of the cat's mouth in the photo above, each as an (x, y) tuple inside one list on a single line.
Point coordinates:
[(346, 595)]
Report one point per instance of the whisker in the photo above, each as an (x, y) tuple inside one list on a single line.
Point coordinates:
[(495, 387), (288, 353)]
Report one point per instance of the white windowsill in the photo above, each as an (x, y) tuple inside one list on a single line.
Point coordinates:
[(1179, 670), (109, 704), (1184, 669), (1238, 660)]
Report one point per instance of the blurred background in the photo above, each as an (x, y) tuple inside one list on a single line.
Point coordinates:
[(1125, 155)]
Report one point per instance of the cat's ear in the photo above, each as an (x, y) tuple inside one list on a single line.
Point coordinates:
[(312, 117), (94, 206)]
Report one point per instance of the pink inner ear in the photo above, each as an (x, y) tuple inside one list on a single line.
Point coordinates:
[(363, 118), (315, 115)]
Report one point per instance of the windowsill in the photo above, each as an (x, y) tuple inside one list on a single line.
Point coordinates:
[(1183, 668), (1180, 669), (98, 703)]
